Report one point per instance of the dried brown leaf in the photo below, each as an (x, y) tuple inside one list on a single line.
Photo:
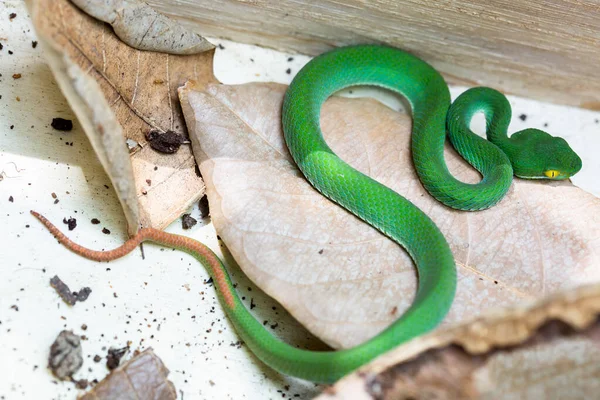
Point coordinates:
[(339, 277), (546, 350), (101, 126), (132, 89), (144, 377), (141, 27)]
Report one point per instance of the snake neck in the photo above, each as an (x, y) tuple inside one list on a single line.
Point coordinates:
[(497, 112), (493, 105)]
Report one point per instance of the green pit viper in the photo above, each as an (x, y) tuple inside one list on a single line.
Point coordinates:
[(530, 153)]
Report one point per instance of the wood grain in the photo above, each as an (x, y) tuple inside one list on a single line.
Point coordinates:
[(547, 49)]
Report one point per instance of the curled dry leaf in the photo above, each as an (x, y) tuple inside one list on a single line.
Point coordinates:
[(144, 377), (546, 350), (102, 128), (141, 27), (120, 93), (341, 278)]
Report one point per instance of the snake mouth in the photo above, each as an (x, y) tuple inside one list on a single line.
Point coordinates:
[(559, 177)]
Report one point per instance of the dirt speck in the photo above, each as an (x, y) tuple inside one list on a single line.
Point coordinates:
[(61, 124), (82, 384), (114, 357), (167, 142), (203, 205), (65, 355), (66, 294), (187, 221), (71, 222)]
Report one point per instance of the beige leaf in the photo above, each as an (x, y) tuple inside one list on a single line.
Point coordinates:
[(140, 88), (548, 350), (144, 377), (140, 26), (341, 278)]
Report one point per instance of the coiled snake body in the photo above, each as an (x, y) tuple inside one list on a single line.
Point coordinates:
[(529, 154)]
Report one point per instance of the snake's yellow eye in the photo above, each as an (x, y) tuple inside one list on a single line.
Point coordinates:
[(551, 173)]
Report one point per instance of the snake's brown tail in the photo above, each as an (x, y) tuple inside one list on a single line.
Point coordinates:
[(197, 249), (109, 255)]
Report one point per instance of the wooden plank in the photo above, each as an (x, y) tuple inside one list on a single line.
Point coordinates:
[(545, 49)]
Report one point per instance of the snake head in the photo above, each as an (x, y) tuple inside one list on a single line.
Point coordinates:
[(538, 155)]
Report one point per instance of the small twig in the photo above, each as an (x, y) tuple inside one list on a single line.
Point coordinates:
[(16, 168), (3, 173)]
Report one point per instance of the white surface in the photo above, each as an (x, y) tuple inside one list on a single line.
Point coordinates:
[(161, 301)]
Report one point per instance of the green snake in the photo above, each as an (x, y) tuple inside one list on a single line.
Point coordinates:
[(529, 153)]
